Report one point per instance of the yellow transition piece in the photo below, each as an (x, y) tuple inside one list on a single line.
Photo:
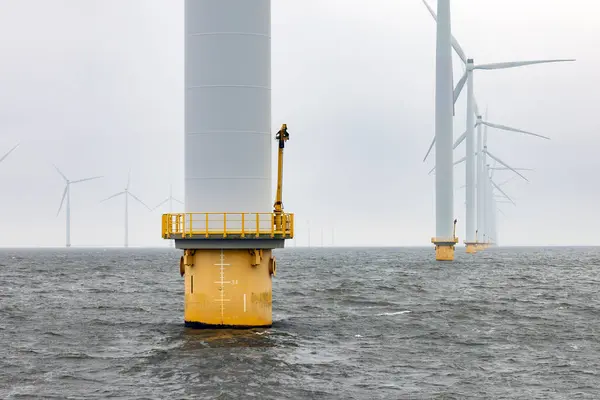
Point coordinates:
[(230, 287)]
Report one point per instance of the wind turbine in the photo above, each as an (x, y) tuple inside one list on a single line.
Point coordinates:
[(126, 194), (445, 238), (67, 195), (472, 110), (169, 199), (490, 204)]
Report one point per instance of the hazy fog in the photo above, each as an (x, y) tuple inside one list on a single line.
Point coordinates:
[(96, 86)]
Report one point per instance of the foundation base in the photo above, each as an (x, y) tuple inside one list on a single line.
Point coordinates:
[(471, 248), (227, 288), (444, 248), (444, 253)]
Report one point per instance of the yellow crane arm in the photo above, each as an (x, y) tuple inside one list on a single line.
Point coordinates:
[(282, 136)]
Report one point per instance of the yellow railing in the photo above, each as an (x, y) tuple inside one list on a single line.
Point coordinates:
[(226, 225)]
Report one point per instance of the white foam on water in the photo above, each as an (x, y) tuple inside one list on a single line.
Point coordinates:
[(393, 313)]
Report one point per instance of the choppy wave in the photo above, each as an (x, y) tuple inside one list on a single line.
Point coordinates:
[(347, 324)]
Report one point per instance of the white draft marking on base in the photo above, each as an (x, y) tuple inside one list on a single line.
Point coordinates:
[(244, 302), (221, 283)]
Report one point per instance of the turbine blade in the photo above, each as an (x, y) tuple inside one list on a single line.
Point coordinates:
[(508, 128), (458, 49), (518, 169), (514, 64), (141, 202), (461, 160), (429, 151), (87, 179), (501, 212), (61, 174), (161, 203), (128, 179), (506, 165), (179, 201), (508, 180), (460, 85), (113, 196), (10, 151), (455, 44), (62, 200), (455, 163), (459, 140), (502, 191)]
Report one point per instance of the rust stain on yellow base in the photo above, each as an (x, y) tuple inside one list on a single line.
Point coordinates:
[(229, 287)]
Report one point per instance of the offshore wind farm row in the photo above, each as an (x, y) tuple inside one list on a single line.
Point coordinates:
[(482, 192)]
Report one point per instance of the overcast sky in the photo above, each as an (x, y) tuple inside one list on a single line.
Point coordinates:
[(96, 86)]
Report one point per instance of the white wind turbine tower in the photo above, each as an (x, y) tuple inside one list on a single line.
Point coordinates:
[(444, 239), (126, 194), (67, 195), (472, 110)]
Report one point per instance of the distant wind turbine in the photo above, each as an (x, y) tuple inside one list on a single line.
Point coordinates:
[(67, 195), (486, 184), (126, 194), (170, 200)]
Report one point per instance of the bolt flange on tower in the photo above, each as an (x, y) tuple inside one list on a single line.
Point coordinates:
[(228, 229)]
